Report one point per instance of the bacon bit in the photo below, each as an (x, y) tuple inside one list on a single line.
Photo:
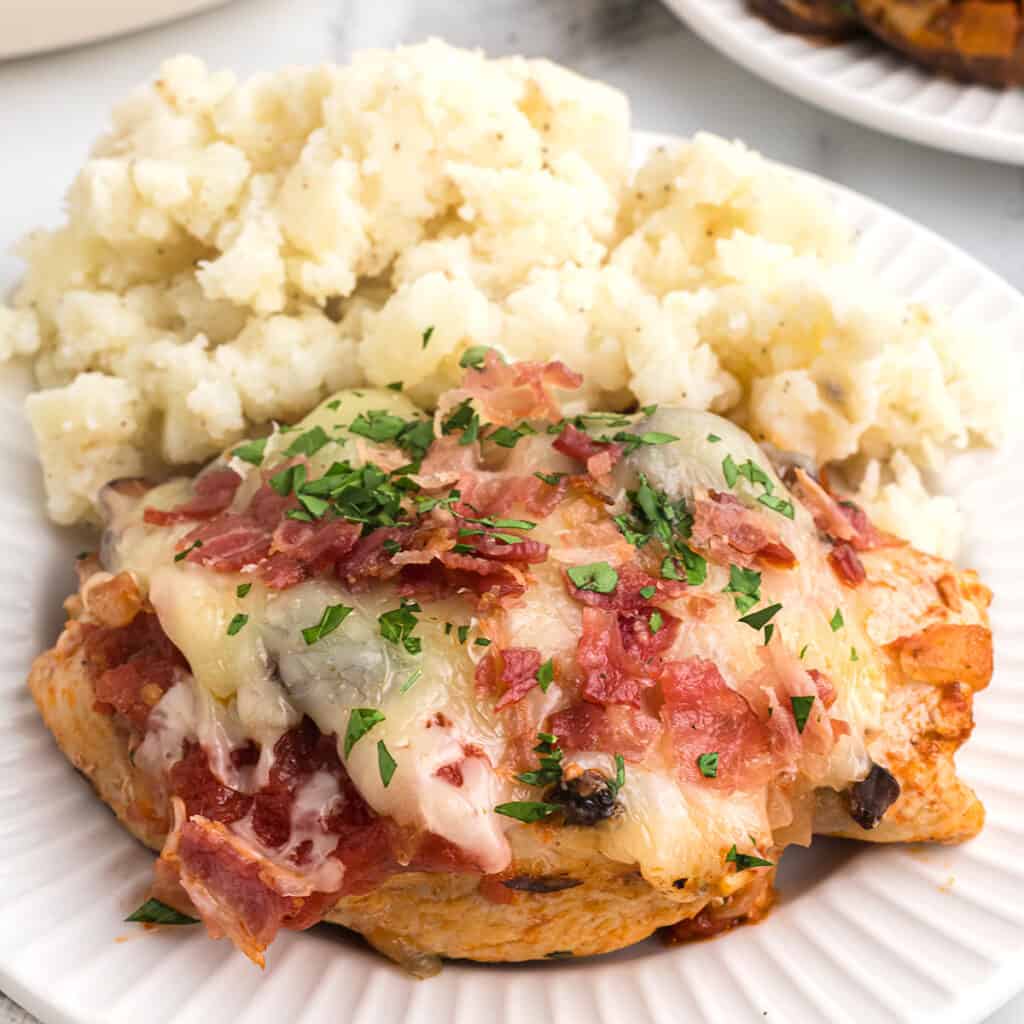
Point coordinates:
[(826, 691), (610, 674), (228, 544), (840, 520), (526, 551), (128, 662), (599, 456), (703, 714), (846, 564), (783, 678), (497, 494), (730, 533), (512, 668), (626, 596), (510, 392), (451, 773), (212, 493), (615, 729)]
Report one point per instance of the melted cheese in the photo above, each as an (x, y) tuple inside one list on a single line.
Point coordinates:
[(259, 682)]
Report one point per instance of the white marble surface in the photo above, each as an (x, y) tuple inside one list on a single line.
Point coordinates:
[(52, 106)]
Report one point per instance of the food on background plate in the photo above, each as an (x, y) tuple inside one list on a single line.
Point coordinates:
[(236, 251), (973, 40), (500, 684)]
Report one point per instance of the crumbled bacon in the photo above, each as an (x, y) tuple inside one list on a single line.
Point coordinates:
[(846, 564), (615, 729), (730, 533), (599, 456), (704, 715), (611, 673), (212, 493), (640, 643), (510, 392), (840, 520), (132, 666), (510, 671)]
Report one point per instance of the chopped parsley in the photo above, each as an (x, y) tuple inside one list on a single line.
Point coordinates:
[(836, 622), (598, 577), (315, 507), (366, 495), (385, 763), (463, 418), (653, 516), (242, 589), (288, 480), (707, 765), (360, 722), (527, 811), (781, 505), (308, 443), (395, 385), (391, 547), (429, 504), (397, 626), (377, 425), (769, 632), (236, 624), (334, 405), (648, 592), (551, 479), (803, 651), (756, 475), (156, 912), (714, 438), (550, 757), (761, 618), (505, 538), (546, 675), (729, 471), (462, 633), (655, 622), (252, 451), (410, 682), (509, 437), (620, 775), (801, 710), (746, 585), (482, 641), (853, 654), (743, 861), (474, 357), (427, 335), (334, 615), (631, 442), (503, 524), (182, 555)]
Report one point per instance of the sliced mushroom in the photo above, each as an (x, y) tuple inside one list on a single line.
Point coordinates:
[(586, 799)]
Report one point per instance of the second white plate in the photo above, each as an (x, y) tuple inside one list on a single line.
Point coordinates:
[(880, 935), (865, 82)]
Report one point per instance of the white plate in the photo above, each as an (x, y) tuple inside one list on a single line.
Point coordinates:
[(55, 24), (866, 82), (862, 934)]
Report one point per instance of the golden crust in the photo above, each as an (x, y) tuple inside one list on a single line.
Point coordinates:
[(416, 913), (931, 624), (933, 673)]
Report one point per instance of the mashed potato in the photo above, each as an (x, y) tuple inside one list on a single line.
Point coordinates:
[(235, 251)]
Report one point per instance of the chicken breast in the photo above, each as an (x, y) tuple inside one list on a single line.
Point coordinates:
[(502, 685)]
